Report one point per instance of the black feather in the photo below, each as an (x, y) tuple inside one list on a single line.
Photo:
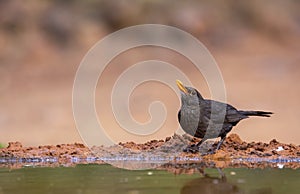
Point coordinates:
[(256, 113)]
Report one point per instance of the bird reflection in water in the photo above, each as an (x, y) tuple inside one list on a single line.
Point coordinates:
[(217, 185), (210, 185)]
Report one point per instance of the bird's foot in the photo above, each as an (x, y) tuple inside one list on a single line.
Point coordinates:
[(191, 149), (209, 152), (196, 149)]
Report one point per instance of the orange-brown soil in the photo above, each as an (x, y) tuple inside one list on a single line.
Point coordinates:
[(233, 153)]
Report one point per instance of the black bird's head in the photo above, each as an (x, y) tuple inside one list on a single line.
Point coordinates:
[(189, 96)]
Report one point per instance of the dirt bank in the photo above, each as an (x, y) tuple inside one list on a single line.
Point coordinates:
[(233, 153)]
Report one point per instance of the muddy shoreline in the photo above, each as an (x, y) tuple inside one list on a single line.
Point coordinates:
[(161, 154)]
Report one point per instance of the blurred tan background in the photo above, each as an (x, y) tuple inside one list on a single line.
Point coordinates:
[(256, 45)]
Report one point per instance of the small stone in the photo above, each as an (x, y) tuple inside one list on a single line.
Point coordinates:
[(280, 148), (14, 145), (267, 154), (168, 139), (280, 166), (244, 146), (234, 138), (149, 173), (232, 173), (274, 141)]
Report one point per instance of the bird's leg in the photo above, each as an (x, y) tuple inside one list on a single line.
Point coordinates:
[(195, 147), (213, 151), (200, 142), (221, 173), (191, 148), (220, 142)]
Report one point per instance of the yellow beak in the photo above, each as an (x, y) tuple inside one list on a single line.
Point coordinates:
[(181, 86)]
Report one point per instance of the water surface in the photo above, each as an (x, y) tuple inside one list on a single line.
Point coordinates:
[(107, 179)]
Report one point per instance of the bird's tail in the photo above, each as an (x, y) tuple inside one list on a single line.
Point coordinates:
[(256, 113)]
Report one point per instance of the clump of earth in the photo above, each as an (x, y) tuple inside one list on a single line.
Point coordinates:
[(167, 153)]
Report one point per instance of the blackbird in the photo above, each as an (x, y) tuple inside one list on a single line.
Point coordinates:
[(206, 119)]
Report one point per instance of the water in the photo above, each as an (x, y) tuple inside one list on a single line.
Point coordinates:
[(107, 179)]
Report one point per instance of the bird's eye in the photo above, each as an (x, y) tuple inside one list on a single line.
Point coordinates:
[(193, 92)]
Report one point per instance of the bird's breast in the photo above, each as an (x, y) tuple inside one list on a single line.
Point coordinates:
[(190, 119)]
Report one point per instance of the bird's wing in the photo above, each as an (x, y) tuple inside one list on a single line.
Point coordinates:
[(232, 115)]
